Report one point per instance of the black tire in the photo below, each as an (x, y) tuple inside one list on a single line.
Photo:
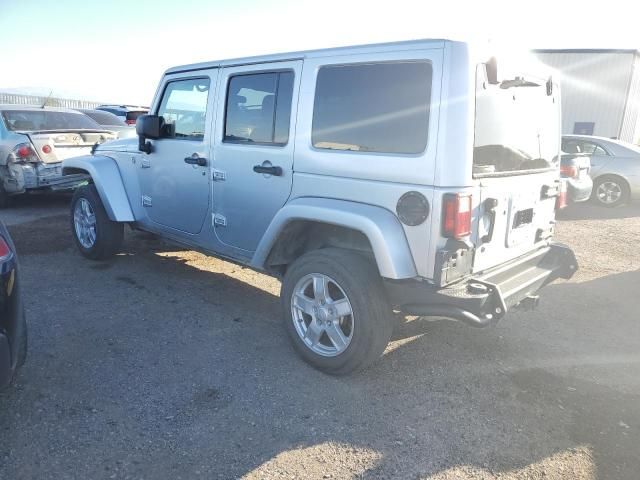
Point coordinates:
[(622, 184), (372, 319), (109, 234)]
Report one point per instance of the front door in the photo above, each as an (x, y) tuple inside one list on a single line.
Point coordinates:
[(253, 156), (174, 179)]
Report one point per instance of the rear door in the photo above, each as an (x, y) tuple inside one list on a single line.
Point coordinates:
[(516, 161), (253, 155)]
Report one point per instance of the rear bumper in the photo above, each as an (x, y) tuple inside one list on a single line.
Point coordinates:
[(482, 300), (32, 176), (579, 190)]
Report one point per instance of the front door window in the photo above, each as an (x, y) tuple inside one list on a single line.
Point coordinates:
[(184, 107)]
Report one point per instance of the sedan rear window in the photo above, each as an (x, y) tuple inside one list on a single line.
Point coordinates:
[(35, 120), (104, 118)]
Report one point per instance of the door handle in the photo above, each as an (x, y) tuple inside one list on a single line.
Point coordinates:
[(268, 170), (196, 160)]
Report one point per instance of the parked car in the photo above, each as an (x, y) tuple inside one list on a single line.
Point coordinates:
[(128, 113), (13, 325), (111, 122), (33, 143), (615, 167), (328, 176), (574, 168)]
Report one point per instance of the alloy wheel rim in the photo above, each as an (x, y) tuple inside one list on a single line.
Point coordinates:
[(322, 315), (84, 220), (609, 192)]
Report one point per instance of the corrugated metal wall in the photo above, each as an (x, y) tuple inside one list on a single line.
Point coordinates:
[(18, 99), (595, 86), (631, 121)]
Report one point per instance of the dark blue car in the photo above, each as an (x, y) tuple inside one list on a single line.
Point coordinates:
[(13, 326)]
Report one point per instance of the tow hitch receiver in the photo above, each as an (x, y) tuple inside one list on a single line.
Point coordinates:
[(529, 303)]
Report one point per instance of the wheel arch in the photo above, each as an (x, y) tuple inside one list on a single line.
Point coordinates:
[(104, 173), (310, 223)]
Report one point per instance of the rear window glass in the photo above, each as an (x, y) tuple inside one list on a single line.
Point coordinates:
[(104, 118), (516, 127), (33, 120), (380, 107), (135, 115)]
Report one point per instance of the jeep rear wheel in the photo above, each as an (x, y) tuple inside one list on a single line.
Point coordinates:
[(95, 235), (336, 311)]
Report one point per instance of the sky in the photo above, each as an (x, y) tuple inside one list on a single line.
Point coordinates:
[(116, 50)]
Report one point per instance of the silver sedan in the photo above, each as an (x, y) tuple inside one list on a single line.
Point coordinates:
[(33, 143), (615, 167)]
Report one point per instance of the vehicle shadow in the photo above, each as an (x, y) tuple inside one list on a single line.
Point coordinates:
[(162, 365), (589, 211)]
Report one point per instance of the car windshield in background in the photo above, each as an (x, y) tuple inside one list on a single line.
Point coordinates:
[(35, 120), (104, 118), (516, 129)]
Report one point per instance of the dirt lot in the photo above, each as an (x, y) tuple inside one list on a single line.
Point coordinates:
[(168, 364)]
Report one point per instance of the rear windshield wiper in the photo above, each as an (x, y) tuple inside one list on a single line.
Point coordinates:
[(517, 82)]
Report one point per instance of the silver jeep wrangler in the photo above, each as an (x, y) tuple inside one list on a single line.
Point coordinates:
[(419, 177)]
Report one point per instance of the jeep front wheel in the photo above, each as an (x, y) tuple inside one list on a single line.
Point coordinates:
[(95, 235), (336, 310)]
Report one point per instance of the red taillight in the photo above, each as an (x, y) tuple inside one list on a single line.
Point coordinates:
[(24, 151), (46, 149), (570, 171), (5, 251), (130, 122), (561, 199), (456, 219)]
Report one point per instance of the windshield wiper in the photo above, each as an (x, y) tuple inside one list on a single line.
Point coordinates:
[(517, 82)]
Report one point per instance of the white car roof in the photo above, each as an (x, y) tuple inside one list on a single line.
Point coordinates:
[(279, 57)]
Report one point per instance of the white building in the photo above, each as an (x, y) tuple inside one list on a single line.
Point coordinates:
[(600, 91)]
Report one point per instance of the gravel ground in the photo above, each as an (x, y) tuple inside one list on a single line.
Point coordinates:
[(167, 364)]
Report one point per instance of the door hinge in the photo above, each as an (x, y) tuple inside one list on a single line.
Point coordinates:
[(219, 220), (145, 162), (218, 175), (146, 201)]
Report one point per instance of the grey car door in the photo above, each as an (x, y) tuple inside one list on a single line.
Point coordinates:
[(599, 156), (253, 152), (174, 178)]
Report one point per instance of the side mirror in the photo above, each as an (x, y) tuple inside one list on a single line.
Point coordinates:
[(148, 126)]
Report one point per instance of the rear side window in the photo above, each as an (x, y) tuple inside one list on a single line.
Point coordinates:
[(381, 107), (259, 108)]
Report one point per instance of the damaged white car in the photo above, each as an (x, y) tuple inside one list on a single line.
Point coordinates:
[(33, 143)]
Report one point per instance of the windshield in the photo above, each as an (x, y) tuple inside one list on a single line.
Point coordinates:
[(516, 128), (35, 120)]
